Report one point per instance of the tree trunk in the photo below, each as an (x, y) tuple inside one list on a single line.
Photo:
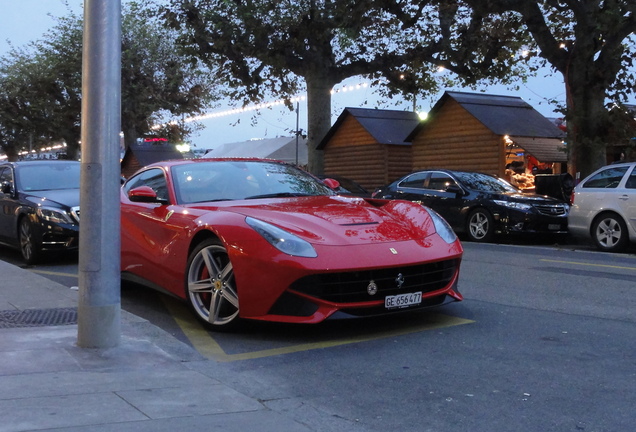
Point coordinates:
[(587, 122), (72, 146), (11, 152), (130, 137), (318, 118)]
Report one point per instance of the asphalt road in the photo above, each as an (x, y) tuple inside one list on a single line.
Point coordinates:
[(544, 341)]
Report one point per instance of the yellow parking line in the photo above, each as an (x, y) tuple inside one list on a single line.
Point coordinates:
[(209, 348), (589, 265), (45, 272), (196, 334)]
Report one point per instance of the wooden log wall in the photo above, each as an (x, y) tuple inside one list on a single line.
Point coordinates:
[(369, 165), (457, 140), (350, 133), (353, 153), (130, 165)]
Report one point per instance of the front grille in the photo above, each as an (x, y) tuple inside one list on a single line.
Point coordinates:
[(551, 209), (351, 287)]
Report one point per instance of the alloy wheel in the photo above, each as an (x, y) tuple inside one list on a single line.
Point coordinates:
[(28, 246), (211, 288), (610, 233), (480, 226)]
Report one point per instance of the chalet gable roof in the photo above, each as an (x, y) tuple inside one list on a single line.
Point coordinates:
[(503, 115), (151, 153), (280, 148), (385, 126)]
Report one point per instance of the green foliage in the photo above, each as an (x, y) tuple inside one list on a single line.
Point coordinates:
[(270, 47), (21, 114), (158, 83), (593, 45), (274, 48), (40, 85)]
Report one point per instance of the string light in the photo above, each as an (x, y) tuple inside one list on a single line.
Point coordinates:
[(264, 105), (35, 152), (271, 104)]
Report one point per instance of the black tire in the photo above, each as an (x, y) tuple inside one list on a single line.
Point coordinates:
[(480, 226), (29, 247), (609, 233), (210, 288)]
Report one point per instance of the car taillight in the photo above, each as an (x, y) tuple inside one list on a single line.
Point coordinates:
[(572, 198)]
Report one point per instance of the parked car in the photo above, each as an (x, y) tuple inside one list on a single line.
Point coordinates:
[(346, 186), (40, 206), (264, 240), (480, 205), (604, 207)]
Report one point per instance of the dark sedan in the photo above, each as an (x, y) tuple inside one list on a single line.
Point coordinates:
[(480, 205), (40, 206)]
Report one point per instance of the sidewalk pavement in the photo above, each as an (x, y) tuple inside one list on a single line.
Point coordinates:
[(145, 384)]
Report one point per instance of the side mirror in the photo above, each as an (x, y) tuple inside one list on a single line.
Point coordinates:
[(331, 183), (455, 189), (144, 194), (6, 188)]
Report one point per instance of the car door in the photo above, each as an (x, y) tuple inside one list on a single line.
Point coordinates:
[(146, 235), (626, 198), (604, 190), (8, 205), (443, 194)]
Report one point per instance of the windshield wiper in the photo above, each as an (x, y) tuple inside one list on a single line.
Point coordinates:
[(278, 195), (211, 200)]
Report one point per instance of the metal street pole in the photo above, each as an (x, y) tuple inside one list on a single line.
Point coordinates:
[(99, 308)]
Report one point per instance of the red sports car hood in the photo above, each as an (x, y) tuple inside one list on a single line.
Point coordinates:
[(342, 220)]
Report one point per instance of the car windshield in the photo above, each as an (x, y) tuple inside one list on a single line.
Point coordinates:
[(48, 176), (484, 182), (206, 181)]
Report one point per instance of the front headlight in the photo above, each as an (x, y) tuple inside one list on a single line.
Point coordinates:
[(54, 215), (442, 227), (282, 240), (513, 205)]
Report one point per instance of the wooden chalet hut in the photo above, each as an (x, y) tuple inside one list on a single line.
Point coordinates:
[(286, 149), (369, 145), (487, 133), (142, 154)]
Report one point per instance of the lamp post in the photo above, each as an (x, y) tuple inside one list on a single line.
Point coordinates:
[(99, 307)]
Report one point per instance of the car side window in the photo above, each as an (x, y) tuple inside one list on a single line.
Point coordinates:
[(414, 181), (440, 181), (4, 184), (608, 178), (6, 179), (6, 175), (631, 180), (153, 178)]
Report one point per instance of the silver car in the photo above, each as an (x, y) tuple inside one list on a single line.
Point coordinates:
[(604, 207)]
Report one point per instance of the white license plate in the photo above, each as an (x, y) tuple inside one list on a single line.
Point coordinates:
[(402, 300), (554, 227)]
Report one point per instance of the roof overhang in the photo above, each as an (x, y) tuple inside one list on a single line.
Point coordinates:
[(544, 149)]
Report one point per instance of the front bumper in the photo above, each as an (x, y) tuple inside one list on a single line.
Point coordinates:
[(344, 278), (58, 236), (518, 222)]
